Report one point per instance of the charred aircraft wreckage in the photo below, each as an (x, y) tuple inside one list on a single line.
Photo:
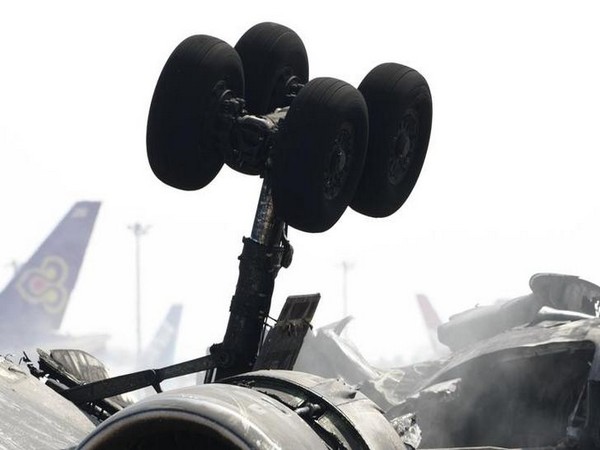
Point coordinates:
[(523, 373), (319, 146)]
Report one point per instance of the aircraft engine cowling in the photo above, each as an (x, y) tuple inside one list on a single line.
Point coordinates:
[(214, 416), (258, 410)]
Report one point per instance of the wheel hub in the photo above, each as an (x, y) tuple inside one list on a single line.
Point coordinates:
[(403, 147), (338, 163)]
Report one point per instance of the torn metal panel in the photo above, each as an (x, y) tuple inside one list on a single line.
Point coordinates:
[(408, 430), (325, 352), (392, 386), (516, 397), (532, 340), (283, 342), (560, 292)]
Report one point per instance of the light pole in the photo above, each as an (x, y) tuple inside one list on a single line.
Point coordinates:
[(346, 266), (15, 265), (138, 231)]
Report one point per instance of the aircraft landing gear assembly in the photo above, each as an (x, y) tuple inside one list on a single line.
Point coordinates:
[(320, 146)]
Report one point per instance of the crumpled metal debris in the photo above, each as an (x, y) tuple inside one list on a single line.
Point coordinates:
[(407, 428)]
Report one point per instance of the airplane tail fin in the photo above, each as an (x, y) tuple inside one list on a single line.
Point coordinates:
[(37, 296), (161, 351), (430, 315), (432, 322)]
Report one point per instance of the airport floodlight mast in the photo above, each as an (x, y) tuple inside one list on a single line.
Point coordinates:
[(14, 265), (138, 230), (319, 146), (346, 267)]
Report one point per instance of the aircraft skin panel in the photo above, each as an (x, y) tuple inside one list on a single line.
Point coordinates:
[(37, 417), (37, 296)]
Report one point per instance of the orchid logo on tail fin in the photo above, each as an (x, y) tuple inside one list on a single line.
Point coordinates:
[(45, 284)]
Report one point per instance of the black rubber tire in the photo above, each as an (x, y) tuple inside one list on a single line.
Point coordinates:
[(271, 54), (319, 155), (183, 149), (400, 113)]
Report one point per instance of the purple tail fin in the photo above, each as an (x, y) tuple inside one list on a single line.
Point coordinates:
[(37, 296)]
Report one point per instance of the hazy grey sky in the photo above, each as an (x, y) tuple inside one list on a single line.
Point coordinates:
[(509, 187)]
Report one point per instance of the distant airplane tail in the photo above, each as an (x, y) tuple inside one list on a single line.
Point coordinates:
[(430, 315), (432, 322), (161, 351), (36, 298)]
